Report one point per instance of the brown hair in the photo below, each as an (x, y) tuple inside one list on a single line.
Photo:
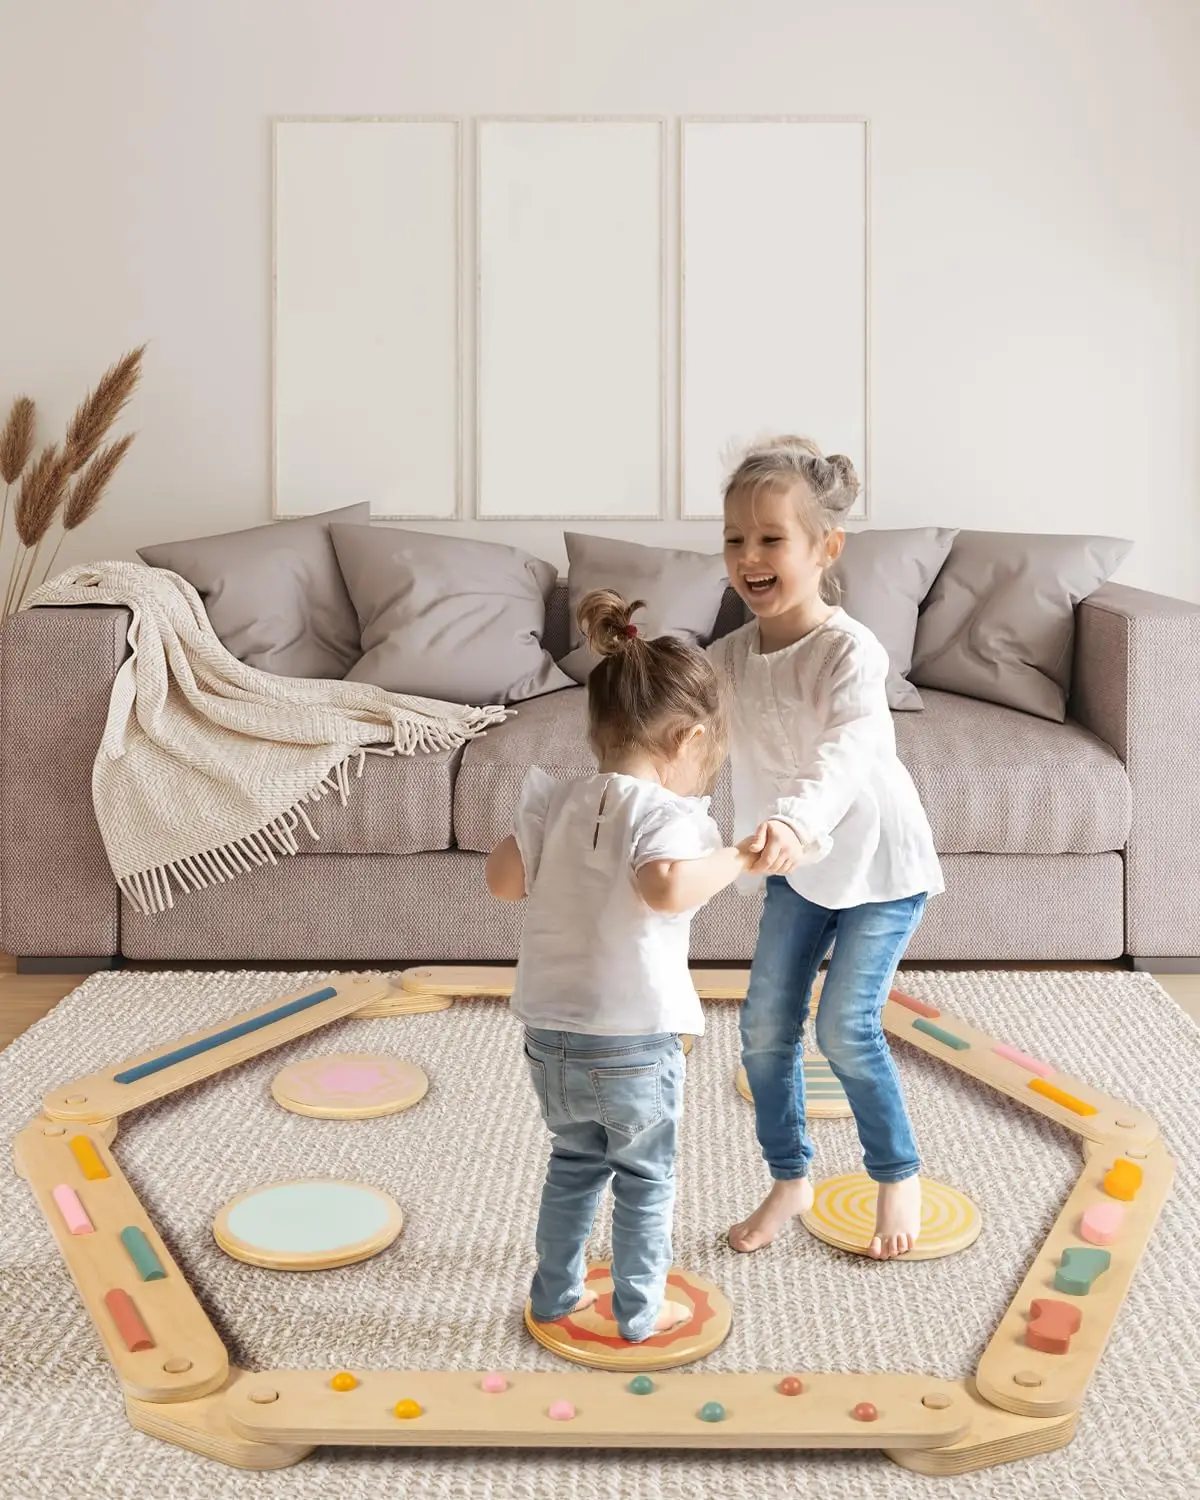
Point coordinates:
[(825, 488), (646, 694)]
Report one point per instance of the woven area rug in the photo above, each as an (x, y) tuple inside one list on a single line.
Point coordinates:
[(466, 1165)]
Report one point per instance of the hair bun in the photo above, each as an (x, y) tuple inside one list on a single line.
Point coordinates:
[(847, 476), (607, 622)]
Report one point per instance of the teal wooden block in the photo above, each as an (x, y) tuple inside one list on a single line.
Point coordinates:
[(941, 1035), (1078, 1269)]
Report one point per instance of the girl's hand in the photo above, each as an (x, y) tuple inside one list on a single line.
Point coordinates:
[(772, 849)]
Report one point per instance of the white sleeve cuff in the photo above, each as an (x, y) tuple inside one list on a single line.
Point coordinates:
[(811, 849)]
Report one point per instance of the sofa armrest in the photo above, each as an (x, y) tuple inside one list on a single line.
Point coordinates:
[(57, 891), (1136, 685)]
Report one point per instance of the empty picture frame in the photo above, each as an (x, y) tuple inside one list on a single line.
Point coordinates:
[(570, 319), (773, 296), (367, 327)]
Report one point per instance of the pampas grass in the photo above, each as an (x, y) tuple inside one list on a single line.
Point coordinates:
[(70, 481)]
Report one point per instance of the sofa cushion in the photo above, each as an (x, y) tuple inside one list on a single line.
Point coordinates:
[(996, 781), (884, 576), (448, 617), (993, 781), (550, 732), (681, 591), (999, 622), (274, 594), (401, 804)]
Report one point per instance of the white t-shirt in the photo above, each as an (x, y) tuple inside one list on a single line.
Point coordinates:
[(812, 743), (594, 958)]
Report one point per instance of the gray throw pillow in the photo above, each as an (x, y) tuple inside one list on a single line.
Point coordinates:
[(274, 594), (884, 576), (999, 623), (682, 590), (448, 617)]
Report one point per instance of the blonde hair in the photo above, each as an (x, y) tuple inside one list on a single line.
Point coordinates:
[(824, 488), (647, 694)]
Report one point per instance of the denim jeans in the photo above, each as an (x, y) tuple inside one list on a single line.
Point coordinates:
[(612, 1105), (868, 944)]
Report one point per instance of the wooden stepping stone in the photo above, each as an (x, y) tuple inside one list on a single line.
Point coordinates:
[(1078, 1269), (1052, 1325), (311, 1225), (591, 1337), (349, 1086), (1102, 1222)]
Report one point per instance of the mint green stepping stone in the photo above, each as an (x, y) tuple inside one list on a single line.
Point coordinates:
[(1078, 1269)]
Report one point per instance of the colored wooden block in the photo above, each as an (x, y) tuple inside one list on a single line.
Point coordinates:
[(1023, 1060), (190, 1359), (128, 1320), (1078, 1269), (73, 1212), (1101, 1223), (939, 1034), (1123, 1179), (930, 1012), (229, 1034), (1052, 1325), (1060, 1096), (141, 1253), (115, 1091), (88, 1158)]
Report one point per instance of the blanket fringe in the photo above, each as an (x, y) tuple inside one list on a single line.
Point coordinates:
[(150, 889)]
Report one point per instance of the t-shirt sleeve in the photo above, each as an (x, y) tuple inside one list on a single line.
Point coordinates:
[(675, 832), (529, 821)]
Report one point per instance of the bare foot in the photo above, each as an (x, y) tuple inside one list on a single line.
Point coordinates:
[(783, 1202), (587, 1300), (897, 1218), (672, 1315)]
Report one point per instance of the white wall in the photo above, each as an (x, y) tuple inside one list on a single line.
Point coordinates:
[(1035, 252)]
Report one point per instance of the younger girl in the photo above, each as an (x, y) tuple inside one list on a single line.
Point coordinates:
[(837, 826), (613, 866)]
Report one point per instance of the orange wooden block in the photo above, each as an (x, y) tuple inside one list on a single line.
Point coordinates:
[(1123, 1179), (1051, 1325), (1068, 1101), (88, 1158)]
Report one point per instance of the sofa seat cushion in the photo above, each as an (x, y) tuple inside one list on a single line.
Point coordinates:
[(550, 732), (993, 781), (996, 781), (402, 804)]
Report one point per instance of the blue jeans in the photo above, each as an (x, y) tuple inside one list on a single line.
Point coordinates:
[(612, 1105), (868, 944)]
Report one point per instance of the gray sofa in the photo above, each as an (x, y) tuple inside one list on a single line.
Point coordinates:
[(1073, 841)]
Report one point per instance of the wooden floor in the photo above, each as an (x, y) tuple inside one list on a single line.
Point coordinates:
[(25, 998)]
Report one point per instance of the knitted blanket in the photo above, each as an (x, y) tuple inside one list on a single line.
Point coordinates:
[(206, 765)]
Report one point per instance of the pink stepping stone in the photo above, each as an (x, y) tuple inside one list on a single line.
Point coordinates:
[(1102, 1223)]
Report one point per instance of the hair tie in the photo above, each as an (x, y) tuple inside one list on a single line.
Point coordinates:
[(631, 631)]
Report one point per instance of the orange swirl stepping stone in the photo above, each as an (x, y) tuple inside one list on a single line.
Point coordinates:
[(1101, 1224), (591, 1337), (1052, 1325), (1123, 1179)]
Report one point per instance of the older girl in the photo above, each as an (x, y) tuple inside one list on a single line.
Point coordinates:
[(837, 827)]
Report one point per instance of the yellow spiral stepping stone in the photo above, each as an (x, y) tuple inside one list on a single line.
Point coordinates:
[(843, 1215)]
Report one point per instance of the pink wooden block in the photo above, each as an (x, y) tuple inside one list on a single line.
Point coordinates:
[(72, 1210), (1023, 1060), (1102, 1223)]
